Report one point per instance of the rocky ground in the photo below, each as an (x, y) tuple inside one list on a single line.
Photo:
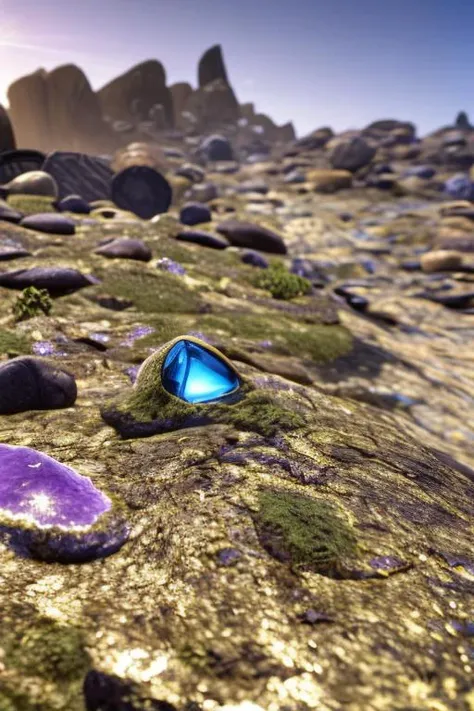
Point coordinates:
[(306, 545)]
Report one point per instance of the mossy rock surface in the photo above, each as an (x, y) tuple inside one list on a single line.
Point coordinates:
[(306, 545)]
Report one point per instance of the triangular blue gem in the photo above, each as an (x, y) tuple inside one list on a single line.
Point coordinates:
[(194, 374)]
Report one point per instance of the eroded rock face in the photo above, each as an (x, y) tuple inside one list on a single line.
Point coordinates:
[(213, 105), (133, 95), (180, 93), (58, 110)]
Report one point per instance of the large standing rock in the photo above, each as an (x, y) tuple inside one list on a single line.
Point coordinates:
[(211, 66), (133, 96), (7, 137), (29, 112), (213, 103), (462, 121), (58, 111)]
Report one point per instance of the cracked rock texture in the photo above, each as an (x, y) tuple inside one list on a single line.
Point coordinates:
[(311, 549)]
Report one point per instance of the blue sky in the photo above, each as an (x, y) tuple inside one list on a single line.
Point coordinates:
[(341, 63)]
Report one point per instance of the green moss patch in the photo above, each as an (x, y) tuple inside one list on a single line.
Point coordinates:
[(304, 532), (150, 292), (281, 283), (13, 344), (31, 204), (288, 336)]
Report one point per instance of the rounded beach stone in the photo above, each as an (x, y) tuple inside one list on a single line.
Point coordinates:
[(195, 213), (28, 383), (50, 223), (74, 203), (57, 280), (35, 182), (125, 248), (247, 234), (205, 239), (254, 259), (50, 511), (441, 260), (216, 148)]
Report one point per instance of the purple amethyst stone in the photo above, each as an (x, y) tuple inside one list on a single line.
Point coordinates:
[(49, 510)]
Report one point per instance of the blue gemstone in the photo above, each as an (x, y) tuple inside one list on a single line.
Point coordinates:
[(194, 374)]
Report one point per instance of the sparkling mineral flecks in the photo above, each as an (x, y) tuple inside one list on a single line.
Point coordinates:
[(38, 489)]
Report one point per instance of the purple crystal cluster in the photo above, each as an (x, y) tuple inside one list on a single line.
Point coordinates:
[(42, 500), (167, 265)]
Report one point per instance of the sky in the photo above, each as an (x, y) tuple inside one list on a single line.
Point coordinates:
[(341, 63)]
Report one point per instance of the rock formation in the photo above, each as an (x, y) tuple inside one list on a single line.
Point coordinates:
[(58, 110), (134, 95)]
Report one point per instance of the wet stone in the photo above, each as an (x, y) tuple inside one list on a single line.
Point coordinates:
[(50, 511), (49, 222), (205, 239), (247, 234), (195, 213), (8, 214), (57, 280), (34, 182), (254, 259), (125, 248), (28, 383), (9, 249), (74, 203)]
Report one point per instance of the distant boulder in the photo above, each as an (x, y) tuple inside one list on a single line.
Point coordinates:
[(58, 111), (135, 95), (462, 122), (316, 139), (386, 126)]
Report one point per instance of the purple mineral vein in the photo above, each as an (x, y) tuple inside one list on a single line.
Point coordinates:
[(36, 487)]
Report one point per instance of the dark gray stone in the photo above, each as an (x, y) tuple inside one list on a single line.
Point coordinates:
[(49, 222), (254, 259), (141, 190), (125, 248), (57, 280), (216, 148), (74, 203), (8, 214), (27, 383), (195, 213), (352, 155), (246, 234), (205, 239)]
